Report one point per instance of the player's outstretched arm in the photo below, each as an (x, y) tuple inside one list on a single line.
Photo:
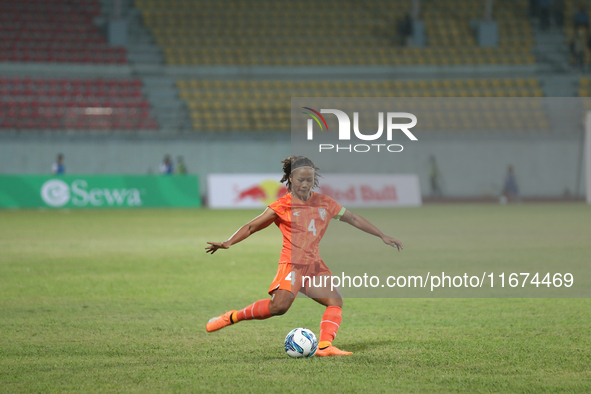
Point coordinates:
[(363, 224), (260, 222)]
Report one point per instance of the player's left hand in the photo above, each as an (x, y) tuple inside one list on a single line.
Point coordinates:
[(392, 242)]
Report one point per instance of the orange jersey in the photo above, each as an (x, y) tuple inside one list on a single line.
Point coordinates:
[(303, 224)]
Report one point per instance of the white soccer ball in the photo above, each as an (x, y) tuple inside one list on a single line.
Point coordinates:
[(300, 342)]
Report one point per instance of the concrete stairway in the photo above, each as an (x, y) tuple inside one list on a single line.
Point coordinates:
[(551, 50), (557, 75), (147, 63), (141, 47), (169, 110)]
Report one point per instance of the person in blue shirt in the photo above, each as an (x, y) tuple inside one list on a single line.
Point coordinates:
[(166, 168), (58, 167)]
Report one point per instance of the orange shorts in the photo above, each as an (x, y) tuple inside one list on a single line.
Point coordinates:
[(289, 276)]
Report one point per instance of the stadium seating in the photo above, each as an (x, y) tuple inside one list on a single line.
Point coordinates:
[(329, 32), (54, 31), (585, 91), (584, 87), (32, 103), (227, 105)]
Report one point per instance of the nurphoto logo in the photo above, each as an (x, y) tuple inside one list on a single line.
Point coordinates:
[(344, 132)]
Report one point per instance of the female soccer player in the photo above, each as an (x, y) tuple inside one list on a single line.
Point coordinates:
[(302, 216)]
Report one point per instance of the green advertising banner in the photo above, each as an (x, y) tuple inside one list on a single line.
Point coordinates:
[(98, 191)]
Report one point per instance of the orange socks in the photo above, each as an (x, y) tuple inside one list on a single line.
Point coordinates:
[(331, 320), (259, 311)]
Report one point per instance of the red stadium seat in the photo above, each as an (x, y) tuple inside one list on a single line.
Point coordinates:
[(37, 103), (29, 29)]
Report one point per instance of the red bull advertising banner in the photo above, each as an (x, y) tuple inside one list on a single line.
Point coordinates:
[(354, 190), (243, 190), (372, 190)]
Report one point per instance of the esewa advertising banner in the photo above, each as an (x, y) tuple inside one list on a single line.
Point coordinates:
[(355, 190), (98, 191)]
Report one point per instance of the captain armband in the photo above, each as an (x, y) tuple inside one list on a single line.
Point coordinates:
[(339, 215)]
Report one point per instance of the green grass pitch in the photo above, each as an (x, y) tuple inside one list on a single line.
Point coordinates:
[(117, 300)]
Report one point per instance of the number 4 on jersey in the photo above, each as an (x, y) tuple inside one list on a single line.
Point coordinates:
[(312, 227)]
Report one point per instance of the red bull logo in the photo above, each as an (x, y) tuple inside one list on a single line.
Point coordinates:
[(267, 192)]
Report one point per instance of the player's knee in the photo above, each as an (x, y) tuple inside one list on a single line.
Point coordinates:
[(279, 308), (280, 305)]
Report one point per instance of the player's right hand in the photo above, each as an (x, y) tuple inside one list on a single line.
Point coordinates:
[(215, 246)]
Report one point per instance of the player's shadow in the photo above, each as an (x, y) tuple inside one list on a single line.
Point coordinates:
[(359, 346)]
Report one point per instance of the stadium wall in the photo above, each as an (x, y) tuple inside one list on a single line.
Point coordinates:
[(469, 167)]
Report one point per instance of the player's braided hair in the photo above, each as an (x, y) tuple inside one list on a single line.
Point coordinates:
[(293, 162)]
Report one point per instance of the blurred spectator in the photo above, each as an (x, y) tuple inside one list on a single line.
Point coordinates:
[(577, 48), (58, 168), (404, 30), (181, 168), (166, 167), (581, 18), (544, 6), (434, 178), (510, 190)]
